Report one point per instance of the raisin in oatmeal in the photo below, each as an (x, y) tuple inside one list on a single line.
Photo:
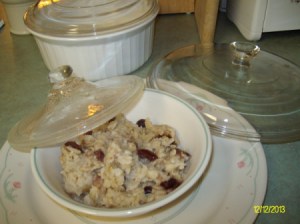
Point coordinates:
[(122, 164)]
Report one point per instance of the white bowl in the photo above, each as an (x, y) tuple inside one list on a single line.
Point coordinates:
[(161, 108)]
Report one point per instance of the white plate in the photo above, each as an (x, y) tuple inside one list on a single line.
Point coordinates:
[(234, 182)]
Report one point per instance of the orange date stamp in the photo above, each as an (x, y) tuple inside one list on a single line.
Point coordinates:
[(269, 209)]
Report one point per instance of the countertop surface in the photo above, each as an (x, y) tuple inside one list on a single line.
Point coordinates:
[(24, 86)]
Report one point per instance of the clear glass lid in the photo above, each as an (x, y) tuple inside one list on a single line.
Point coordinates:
[(260, 86), (88, 18), (74, 107)]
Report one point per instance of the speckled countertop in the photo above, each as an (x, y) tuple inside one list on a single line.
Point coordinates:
[(24, 85)]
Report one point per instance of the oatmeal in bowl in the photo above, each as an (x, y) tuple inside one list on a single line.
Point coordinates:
[(139, 160), (122, 164)]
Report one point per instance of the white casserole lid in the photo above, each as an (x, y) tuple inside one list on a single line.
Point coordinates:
[(89, 18)]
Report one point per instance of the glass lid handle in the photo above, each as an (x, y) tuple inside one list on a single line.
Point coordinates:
[(63, 84), (60, 74), (243, 52)]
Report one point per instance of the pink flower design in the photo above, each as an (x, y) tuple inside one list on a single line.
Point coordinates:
[(199, 107), (17, 184), (241, 164)]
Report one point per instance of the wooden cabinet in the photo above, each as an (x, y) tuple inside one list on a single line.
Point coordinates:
[(176, 6), (206, 12)]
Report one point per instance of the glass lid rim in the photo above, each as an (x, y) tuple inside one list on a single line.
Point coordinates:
[(36, 26)]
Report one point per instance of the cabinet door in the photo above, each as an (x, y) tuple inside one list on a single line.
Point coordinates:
[(282, 15), (176, 6)]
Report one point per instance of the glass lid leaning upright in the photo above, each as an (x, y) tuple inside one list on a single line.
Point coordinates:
[(74, 107), (260, 86)]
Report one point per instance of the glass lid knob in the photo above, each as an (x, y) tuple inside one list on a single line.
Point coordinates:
[(59, 74), (243, 53)]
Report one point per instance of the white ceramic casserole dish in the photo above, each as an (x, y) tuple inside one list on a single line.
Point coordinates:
[(99, 38)]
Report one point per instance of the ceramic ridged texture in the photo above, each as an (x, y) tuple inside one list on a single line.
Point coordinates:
[(103, 58)]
